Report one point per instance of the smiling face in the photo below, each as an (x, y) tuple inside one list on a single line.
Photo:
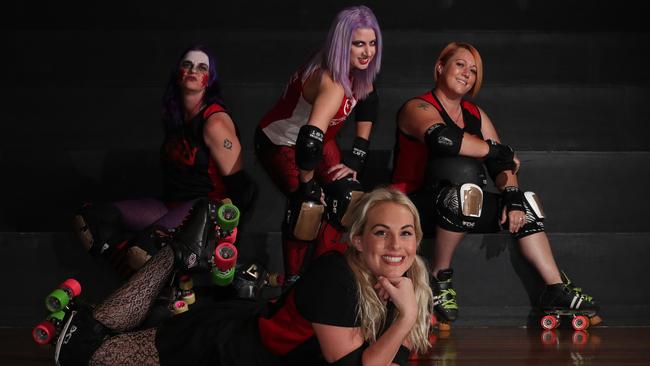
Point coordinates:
[(194, 71), (388, 242), (363, 48), (458, 74)]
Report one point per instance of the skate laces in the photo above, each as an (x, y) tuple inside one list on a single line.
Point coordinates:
[(447, 299), (575, 289)]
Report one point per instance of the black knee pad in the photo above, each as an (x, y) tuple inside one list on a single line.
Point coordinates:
[(81, 336), (341, 196), (459, 207), (533, 222)]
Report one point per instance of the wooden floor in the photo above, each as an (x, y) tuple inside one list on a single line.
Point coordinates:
[(461, 346)]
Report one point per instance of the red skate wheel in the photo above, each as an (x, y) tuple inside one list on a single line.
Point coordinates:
[(549, 337), (549, 322), (72, 285), (579, 337), (43, 332), (580, 322), (225, 256), (231, 238)]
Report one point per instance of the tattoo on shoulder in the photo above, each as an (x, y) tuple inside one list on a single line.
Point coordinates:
[(227, 144), (423, 105)]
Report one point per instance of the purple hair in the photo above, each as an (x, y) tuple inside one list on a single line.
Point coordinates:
[(172, 104), (335, 53)]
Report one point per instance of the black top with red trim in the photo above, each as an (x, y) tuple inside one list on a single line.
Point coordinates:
[(188, 170), (411, 156)]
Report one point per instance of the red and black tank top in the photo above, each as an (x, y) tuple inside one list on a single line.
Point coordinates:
[(411, 156), (188, 170)]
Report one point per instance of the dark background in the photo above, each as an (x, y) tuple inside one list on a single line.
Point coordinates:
[(565, 83)]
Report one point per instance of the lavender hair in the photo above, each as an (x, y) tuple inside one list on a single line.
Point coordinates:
[(172, 104), (334, 56)]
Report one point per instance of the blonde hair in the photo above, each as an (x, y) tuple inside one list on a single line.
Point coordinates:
[(446, 54), (371, 312)]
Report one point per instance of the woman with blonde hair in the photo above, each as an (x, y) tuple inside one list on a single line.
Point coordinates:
[(371, 305)]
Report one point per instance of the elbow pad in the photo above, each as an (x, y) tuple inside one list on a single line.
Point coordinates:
[(241, 189), (309, 147), (356, 160), (443, 139), (368, 108)]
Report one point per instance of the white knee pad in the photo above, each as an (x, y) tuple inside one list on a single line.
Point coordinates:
[(535, 204), (471, 200)]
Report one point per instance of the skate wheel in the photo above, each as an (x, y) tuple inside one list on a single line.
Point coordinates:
[(579, 337), (57, 317), (276, 280), (580, 322), (225, 256), (228, 216), (185, 283), (223, 278), (57, 300), (549, 322), (549, 337), (179, 307), (444, 327), (189, 297), (72, 285), (230, 238), (43, 332), (595, 320)]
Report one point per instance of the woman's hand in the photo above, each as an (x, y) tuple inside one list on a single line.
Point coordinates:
[(342, 171), (516, 219), (401, 293)]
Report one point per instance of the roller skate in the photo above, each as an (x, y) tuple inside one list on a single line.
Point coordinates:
[(565, 299), (251, 279), (195, 239), (444, 297), (59, 303), (100, 229)]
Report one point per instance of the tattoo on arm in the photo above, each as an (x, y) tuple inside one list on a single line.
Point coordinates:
[(227, 144), (423, 106)]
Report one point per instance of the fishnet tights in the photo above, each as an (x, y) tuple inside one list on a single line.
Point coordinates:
[(127, 307), (136, 348)]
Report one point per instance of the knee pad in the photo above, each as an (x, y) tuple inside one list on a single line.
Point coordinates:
[(341, 196), (533, 223), (80, 337), (302, 218), (459, 207), (99, 228)]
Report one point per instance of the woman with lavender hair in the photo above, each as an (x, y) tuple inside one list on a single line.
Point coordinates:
[(200, 157), (295, 139)]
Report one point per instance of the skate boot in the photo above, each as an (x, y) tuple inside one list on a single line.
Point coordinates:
[(251, 280), (100, 229), (195, 240), (565, 299), (444, 297)]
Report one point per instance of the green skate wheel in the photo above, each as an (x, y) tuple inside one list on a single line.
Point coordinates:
[(57, 300), (56, 317), (228, 217), (220, 278)]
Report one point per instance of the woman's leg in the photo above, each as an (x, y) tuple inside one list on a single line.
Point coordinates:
[(139, 214), (537, 250), (136, 348), (127, 307), (444, 246)]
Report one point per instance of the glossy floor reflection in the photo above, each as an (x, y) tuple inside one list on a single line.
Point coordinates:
[(522, 346), (460, 346)]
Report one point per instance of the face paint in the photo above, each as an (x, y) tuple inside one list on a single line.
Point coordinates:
[(195, 67)]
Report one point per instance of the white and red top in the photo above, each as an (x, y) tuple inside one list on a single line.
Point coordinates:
[(282, 123)]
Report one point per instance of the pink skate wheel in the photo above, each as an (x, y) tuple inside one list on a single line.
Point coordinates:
[(231, 238), (580, 322), (225, 256), (43, 332), (549, 322)]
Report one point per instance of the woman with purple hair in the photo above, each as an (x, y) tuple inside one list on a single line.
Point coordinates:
[(200, 157), (295, 139)]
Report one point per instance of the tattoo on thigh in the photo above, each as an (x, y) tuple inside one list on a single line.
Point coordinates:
[(227, 144)]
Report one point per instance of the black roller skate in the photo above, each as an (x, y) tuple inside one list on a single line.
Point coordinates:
[(195, 240), (100, 229), (444, 297), (251, 279), (566, 299)]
